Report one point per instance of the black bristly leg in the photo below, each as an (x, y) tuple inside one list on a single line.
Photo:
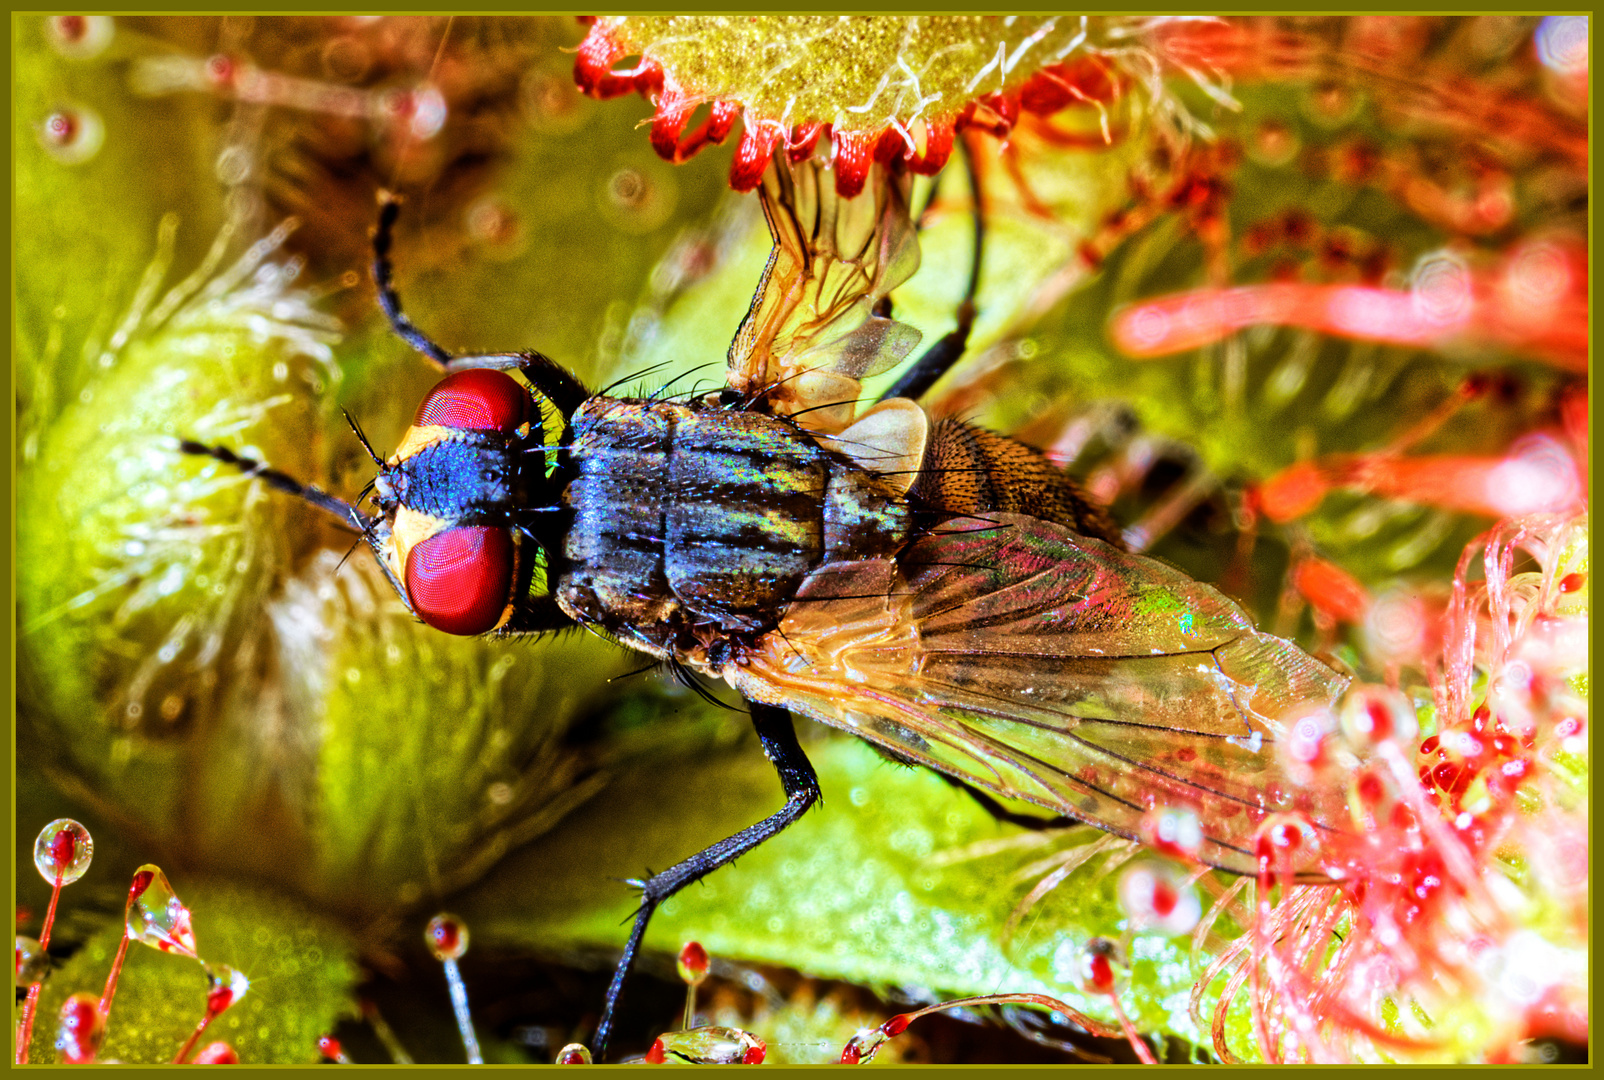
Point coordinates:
[(1001, 813), (547, 376), (778, 735), (936, 360), (389, 210)]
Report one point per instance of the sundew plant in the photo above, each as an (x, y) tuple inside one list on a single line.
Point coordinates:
[(1303, 300)]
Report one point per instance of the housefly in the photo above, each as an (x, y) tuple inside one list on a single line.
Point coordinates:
[(943, 592)]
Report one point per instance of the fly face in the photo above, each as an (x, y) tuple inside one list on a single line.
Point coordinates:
[(452, 498)]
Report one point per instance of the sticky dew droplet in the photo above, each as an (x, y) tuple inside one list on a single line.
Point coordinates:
[(79, 1029), (63, 851), (1100, 962), (79, 37), (156, 917), (1377, 714), (331, 1049), (1173, 831), (226, 986), (573, 1054), (217, 1053), (1159, 898), (693, 963), (447, 937), (72, 134), (32, 962), (711, 1045)]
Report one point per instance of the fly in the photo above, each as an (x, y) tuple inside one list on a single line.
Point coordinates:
[(941, 591)]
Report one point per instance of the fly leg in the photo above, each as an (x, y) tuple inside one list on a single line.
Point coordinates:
[(1003, 814), (778, 735), (547, 376), (934, 362)]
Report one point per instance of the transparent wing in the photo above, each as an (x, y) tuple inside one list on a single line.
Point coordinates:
[(1047, 666), (810, 334)]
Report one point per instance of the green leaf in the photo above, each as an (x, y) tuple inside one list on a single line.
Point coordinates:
[(897, 880)]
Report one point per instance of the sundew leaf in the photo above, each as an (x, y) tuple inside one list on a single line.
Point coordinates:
[(897, 881), (301, 966), (853, 73)]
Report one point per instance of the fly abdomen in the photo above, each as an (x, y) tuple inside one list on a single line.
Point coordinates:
[(744, 522), (692, 521)]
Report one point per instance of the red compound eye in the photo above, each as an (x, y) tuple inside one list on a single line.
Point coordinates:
[(459, 579), (478, 399)]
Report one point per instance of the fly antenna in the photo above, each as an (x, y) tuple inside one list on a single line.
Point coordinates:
[(348, 514), (348, 553), (363, 439)]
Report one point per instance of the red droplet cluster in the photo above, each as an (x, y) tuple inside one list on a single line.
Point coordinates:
[(1087, 80), (1451, 762)]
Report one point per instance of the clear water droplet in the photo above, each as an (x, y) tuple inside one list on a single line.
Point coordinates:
[(447, 937), (64, 848), (32, 962), (156, 917)]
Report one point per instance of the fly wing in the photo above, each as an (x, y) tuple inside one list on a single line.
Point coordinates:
[(810, 334), (1046, 666)]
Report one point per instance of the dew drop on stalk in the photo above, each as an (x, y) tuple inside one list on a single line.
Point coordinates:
[(61, 854), (861, 1048), (708, 1046), (78, 37), (1099, 963), (217, 1053), (573, 1054), (225, 987), (156, 917), (1158, 897), (693, 963), (72, 134), (331, 1049), (32, 962), (1376, 714), (80, 1029), (63, 851), (447, 937), (1102, 963), (1173, 831), (1285, 843)]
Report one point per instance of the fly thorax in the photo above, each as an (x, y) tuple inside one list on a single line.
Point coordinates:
[(469, 478)]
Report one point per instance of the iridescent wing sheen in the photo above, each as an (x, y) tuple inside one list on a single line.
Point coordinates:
[(1046, 666), (810, 334)]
